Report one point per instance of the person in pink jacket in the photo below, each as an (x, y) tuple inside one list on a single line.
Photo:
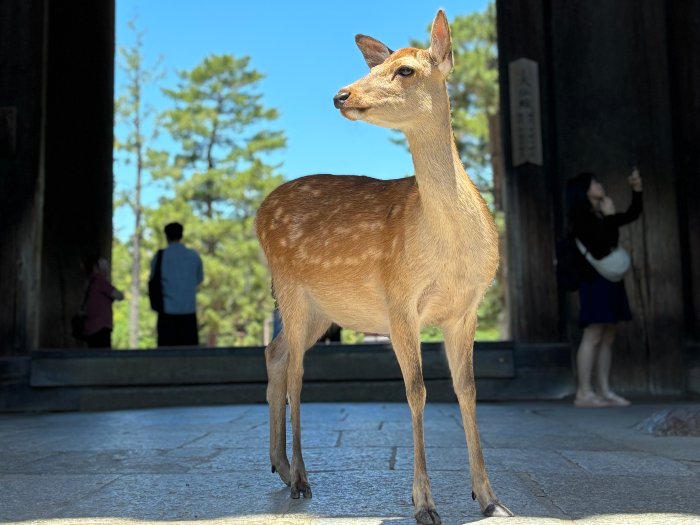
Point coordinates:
[(98, 304)]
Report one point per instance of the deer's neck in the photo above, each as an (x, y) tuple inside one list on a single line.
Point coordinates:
[(446, 192)]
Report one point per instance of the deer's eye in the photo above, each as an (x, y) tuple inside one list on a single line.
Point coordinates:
[(405, 71)]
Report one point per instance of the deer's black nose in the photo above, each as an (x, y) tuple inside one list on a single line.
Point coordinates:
[(340, 98)]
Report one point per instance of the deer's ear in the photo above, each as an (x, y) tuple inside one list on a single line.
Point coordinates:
[(373, 50), (441, 43)]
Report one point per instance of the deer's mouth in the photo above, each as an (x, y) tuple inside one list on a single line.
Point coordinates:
[(354, 113)]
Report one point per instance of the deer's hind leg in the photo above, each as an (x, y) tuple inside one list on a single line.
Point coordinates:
[(276, 360), (459, 346), (303, 324)]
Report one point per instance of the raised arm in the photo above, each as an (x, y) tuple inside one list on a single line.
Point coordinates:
[(635, 207)]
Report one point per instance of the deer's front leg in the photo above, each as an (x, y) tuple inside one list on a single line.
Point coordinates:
[(299, 481), (405, 339), (276, 360), (304, 327), (459, 347)]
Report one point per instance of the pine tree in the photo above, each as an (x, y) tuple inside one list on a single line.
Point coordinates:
[(220, 126)]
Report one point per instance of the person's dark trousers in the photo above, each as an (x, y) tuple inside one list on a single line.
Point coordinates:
[(101, 339), (177, 330)]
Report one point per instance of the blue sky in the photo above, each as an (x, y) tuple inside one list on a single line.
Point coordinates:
[(307, 51)]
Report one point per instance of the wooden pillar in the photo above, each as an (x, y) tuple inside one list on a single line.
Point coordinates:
[(22, 82), (618, 86), (684, 55), (529, 188), (613, 111), (79, 141)]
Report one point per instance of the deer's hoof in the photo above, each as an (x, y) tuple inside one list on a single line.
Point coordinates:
[(304, 491), (283, 473), (428, 517), (496, 510)]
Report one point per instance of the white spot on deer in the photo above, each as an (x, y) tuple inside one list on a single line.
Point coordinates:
[(371, 226), (374, 253), (295, 232), (394, 244)]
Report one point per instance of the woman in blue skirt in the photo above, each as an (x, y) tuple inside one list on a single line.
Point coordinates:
[(594, 222)]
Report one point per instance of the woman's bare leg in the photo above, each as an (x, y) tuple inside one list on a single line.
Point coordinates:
[(586, 358), (604, 365), (605, 358)]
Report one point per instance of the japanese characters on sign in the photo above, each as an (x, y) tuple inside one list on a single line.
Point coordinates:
[(525, 129)]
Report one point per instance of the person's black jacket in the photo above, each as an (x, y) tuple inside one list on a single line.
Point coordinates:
[(599, 234)]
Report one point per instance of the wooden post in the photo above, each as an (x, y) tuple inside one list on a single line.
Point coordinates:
[(79, 141), (530, 187)]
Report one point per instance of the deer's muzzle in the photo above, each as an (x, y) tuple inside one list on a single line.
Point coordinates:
[(340, 98)]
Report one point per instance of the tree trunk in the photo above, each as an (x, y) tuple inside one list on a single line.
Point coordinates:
[(137, 238), (136, 272), (497, 169)]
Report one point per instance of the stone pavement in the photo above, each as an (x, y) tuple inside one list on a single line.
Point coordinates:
[(549, 462)]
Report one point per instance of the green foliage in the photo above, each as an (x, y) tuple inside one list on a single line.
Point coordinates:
[(431, 334), (219, 178), (212, 182), (473, 88), (350, 337)]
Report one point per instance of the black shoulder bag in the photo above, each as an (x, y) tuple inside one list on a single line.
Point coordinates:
[(155, 285), (77, 322)]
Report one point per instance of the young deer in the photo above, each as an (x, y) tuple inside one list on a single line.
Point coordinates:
[(384, 256)]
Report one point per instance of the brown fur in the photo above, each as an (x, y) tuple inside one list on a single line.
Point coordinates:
[(384, 256)]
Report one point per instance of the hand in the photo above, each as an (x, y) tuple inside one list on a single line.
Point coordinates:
[(635, 180), (607, 206)]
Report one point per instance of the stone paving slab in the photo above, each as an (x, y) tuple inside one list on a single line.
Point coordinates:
[(549, 462)]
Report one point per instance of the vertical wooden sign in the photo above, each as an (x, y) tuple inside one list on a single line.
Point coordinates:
[(525, 128)]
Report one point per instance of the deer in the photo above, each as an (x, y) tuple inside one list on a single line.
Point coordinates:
[(385, 257)]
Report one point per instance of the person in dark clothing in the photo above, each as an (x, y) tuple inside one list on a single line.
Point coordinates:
[(181, 273), (97, 306), (603, 303)]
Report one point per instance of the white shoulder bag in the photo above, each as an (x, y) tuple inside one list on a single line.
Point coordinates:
[(613, 266)]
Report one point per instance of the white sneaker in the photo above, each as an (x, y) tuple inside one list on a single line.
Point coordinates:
[(590, 401), (617, 401)]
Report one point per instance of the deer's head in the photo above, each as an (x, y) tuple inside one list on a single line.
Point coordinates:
[(404, 87)]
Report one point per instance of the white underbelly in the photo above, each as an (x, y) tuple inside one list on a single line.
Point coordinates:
[(361, 307)]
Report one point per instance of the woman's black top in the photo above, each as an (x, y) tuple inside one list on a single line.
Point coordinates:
[(599, 233)]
